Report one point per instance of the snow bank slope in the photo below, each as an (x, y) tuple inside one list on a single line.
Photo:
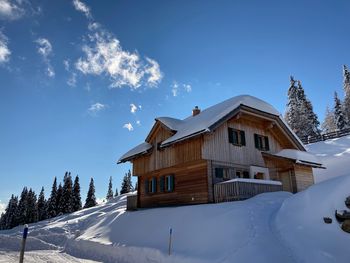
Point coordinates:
[(300, 222), (334, 154)]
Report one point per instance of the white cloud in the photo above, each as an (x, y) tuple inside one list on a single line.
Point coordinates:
[(103, 55), (72, 81), (82, 7), (138, 123), (133, 108), (10, 10), (66, 64), (4, 50), (155, 75), (44, 48), (187, 87), (95, 108), (128, 126), (2, 207), (175, 89)]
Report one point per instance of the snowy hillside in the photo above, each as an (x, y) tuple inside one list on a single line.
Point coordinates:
[(272, 227), (334, 154)]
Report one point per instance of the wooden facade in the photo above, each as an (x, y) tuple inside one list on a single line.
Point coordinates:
[(194, 162)]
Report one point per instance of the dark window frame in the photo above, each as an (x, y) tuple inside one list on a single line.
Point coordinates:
[(236, 137), (261, 142)]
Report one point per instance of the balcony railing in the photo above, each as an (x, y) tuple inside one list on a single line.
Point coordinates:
[(240, 189)]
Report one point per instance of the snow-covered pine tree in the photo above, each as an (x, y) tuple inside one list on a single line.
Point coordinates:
[(52, 202), (346, 103), (59, 200), (9, 218), (309, 124), (116, 193), (338, 113), (126, 184), (42, 206), (21, 216), (292, 115), (328, 124), (2, 221), (32, 209), (110, 190), (90, 198), (76, 195), (67, 194)]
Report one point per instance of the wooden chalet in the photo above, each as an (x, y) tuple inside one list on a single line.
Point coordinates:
[(230, 151)]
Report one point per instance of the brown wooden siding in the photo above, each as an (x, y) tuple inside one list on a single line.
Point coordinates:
[(303, 176), (191, 185), (216, 145), (187, 151)]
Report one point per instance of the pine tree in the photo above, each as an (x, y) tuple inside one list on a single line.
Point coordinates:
[(90, 198), (126, 184), (42, 206), (76, 195), (346, 87), (300, 115), (9, 218), (59, 200), (22, 212), (328, 124), (52, 202), (2, 221), (32, 209), (67, 194), (292, 113), (109, 195), (338, 113), (116, 193)]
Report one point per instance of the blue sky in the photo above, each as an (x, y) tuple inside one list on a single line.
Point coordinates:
[(82, 81)]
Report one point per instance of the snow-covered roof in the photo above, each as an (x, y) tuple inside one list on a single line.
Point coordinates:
[(300, 157), (207, 120), (171, 123), (139, 149)]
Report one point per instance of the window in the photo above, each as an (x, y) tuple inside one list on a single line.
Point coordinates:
[(223, 173), (261, 142), (151, 185), (219, 172), (169, 183), (246, 174), (236, 137), (242, 174)]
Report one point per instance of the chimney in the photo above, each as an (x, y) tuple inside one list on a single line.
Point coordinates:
[(196, 111)]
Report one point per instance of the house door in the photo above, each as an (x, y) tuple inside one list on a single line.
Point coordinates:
[(286, 181)]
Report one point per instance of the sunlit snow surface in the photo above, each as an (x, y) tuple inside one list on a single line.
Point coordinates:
[(272, 227)]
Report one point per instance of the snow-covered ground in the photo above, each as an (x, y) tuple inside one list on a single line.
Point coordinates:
[(334, 154), (271, 227)]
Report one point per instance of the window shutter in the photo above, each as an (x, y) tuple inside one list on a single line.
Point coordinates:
[(256, 140), (146, 186), (172, 182), (267, 147), (242, 138), (230, 135), (154, 184), (161, 183)]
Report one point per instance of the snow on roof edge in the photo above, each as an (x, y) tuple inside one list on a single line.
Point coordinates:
[(139, 149)]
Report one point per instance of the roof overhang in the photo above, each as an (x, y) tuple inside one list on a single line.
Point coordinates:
[(292, 160)]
